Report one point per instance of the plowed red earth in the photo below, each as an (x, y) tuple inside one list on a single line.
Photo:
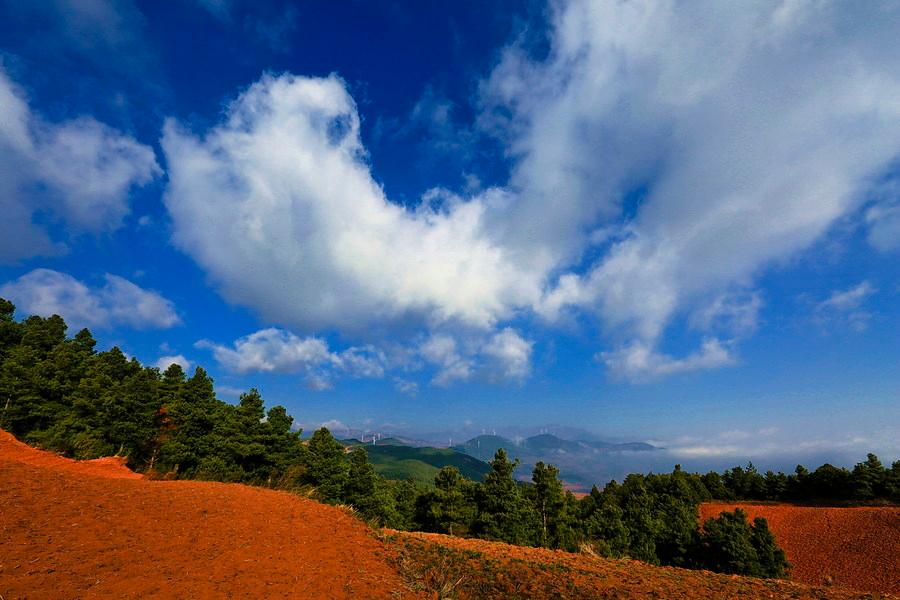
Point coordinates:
[(853, 547), (95, 530), (544, 574)]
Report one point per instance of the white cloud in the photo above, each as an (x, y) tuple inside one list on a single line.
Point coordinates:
[(640, 362), (335, 426), (296, 226), (221, 9), (736, 313), (443, 351), (499, 357), (750, 128), (765, 444), (884, 226), (367, 361), (270, 350), (846, 307), (756, 127), (509, 356), (107, 33), (118, 302), (849, 299), (79, 171), (229, 391), (405, 386), (276, 350), (165, 362), (502, 356)]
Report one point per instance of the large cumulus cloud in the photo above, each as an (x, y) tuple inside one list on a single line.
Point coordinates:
[(294, 224), (747, 129), (118, 302), (663, 155), (78, 172)]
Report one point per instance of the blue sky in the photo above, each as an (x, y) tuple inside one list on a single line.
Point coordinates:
[(677, 223)]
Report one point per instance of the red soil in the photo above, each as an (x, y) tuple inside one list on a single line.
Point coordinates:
[(854, 547), (497, 570), (112, 467), (93, 530)]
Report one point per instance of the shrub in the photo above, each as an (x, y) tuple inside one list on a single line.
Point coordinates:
[(729, 544)]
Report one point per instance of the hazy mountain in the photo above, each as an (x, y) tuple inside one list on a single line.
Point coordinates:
[(581, 463), (399, 461)]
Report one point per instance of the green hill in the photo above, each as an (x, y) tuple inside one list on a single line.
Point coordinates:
[(422, 464), (483, 447)]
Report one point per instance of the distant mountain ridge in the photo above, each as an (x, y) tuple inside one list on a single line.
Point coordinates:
[(395, 458), (581, 463), (483, 447)]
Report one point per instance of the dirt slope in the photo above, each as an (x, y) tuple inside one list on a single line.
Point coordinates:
[(111, 467), (95, 530), (853, 547), (89, 530), (476, 569)]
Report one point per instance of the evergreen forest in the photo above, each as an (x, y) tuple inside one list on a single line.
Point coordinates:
[(62, 394)]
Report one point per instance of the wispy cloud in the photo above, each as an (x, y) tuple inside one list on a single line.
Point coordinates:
[(118, 302), (688, 105), (639, 362), (768, 443), (275, 350), (79, 171), (406, 387), (846, 308), (164, 362)]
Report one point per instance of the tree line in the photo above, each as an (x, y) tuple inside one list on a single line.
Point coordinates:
[(62, 394), (868, 481)]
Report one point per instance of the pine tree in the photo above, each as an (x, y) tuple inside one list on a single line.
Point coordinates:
[(360, 486), (366, 491), (869, 478), (726, 545), (448, 509), (771, 559), (602, 519), (327, 467), (193, 414), (640, 517), (248, 437), (549, 501), (503, 514)]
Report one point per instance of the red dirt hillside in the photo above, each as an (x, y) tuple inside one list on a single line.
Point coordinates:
[(853, 547), (477, 569), (93, 529)]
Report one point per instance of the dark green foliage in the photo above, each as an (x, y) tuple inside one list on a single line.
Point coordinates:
[(603, 522), (640, 516), (327, 468), (729, 544), (745, 483), (772, 561), (449, 507), (868, 481), (406, 495), (401, 462), (369, 493), (676, 500), (63, 395), (503, 513), (549, 502)]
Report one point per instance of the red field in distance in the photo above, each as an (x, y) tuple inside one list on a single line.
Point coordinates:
[(853, 547)]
